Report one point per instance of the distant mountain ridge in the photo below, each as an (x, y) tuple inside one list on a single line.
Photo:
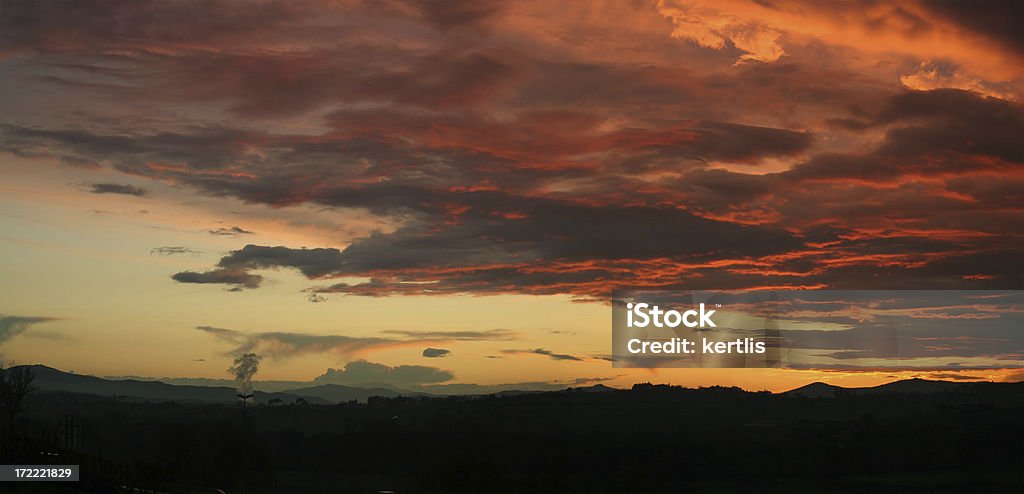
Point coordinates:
[(337, 393), (50, 379), (916, 385)]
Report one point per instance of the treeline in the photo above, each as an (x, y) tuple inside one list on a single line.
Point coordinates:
[(648, 439)]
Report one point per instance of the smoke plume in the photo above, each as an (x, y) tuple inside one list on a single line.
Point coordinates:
[(245, 367)]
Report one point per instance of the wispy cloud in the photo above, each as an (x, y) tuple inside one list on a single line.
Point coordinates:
[(543, 352), (285, 344), (232, 231), (492, 334), (278, 344), (173, 250), (11, 326)]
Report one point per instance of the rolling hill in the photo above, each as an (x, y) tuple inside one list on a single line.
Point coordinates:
[(50, 379), (823, 390)]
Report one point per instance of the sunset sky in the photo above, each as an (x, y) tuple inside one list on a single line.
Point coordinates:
[(340, 186)]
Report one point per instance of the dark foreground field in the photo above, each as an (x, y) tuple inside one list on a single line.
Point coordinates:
[(968, 438)]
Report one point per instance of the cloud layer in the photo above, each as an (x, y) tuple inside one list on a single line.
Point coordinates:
[(128, 190), (538, 148), (726, 144), (281, 344), (362, 372)]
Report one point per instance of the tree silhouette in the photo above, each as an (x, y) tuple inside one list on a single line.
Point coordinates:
[(15, 385)]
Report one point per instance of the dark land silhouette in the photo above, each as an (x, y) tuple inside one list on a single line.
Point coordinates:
[(907, 436)]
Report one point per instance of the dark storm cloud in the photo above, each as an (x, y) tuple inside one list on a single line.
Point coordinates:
[(202, 51), (932, 133), (222, 161), (945, 150), (997, 19), (325, 66), (589, 157), (103, 25), (907, 262), (546, 134), (436, 352), (707, 141), (260, 86), (124, 189), (11, 326), (497, 227), (733, 142), (199, 149), (362, 372), (999, 267), (480, 248), (550, 230), (451, 15), (446, 81), (313, 263)]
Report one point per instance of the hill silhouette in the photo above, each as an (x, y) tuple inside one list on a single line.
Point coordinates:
[(907, 436), (916, 385), (50, 379), (337, 393), (817, 390)]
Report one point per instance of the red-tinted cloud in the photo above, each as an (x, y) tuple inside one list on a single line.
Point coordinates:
[(524, 150)]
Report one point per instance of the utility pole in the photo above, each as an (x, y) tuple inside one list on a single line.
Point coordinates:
[(245, 455), (244, 397)]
